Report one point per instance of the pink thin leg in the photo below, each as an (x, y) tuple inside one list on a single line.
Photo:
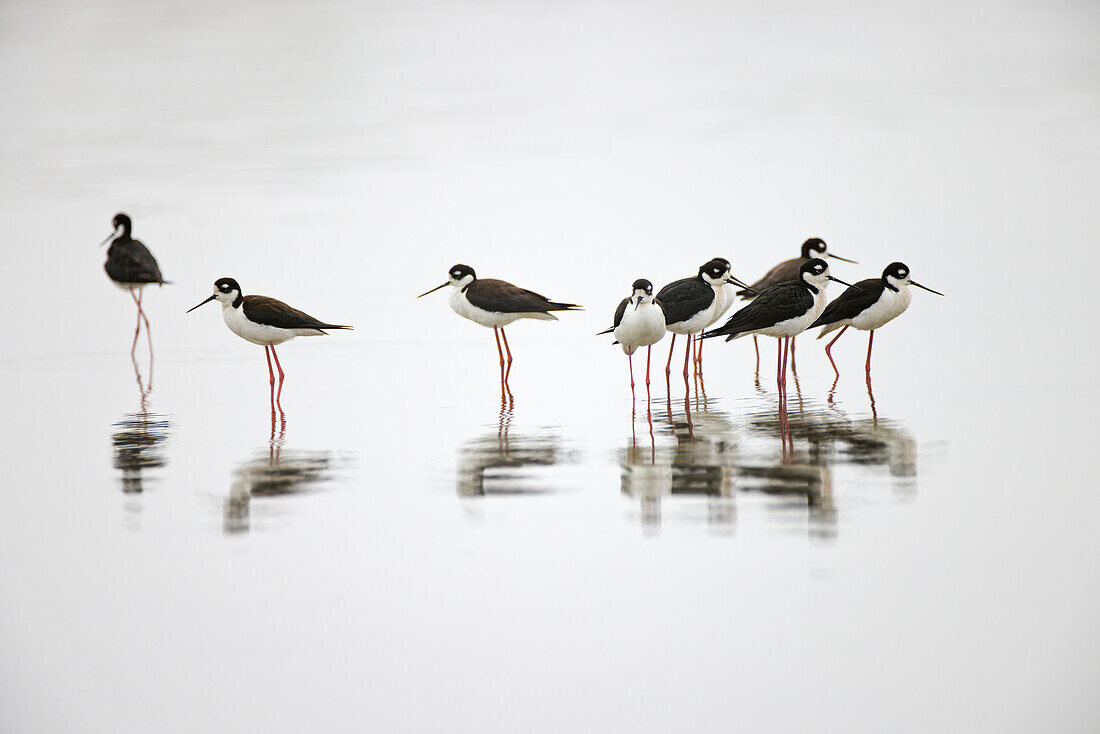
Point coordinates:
[(508, 371), (137, 328), (687, 356), (829, 354), (870, 341), (500, 354), (278, 395), (648, 357), (630, 364), (668, 364), (271, 381)]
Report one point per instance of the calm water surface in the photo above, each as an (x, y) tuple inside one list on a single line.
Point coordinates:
[(399, 551)]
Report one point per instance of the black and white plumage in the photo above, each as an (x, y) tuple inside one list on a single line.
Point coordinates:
[(260, 319), (264, 321), (784, 310), (131, 267), (129, 263), (691, 304), (639, 322), (868, 305), (495, 304), (788, 270)]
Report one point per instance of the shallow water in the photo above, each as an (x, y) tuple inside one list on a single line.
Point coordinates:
[(400, 550)]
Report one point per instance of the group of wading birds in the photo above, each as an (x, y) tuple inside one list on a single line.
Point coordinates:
[(788, 300)]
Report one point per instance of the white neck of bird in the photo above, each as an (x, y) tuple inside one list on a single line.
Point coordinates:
[(462, 282), (898, 283)]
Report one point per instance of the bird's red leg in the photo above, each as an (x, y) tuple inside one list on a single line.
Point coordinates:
[(870, 341), (279, 395), (687, 356), (829, 354), (500, 353), (271, 381), (148, 337), (756, 348), (509, 351), (779, 371), (630, 364), (137, 328), (790, 340), (648, 358), (668, 364)]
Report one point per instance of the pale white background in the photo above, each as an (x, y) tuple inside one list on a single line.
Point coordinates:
[(342, 156)]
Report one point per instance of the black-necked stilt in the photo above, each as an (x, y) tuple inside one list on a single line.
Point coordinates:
[(867, 306), (495, 304), (131, 267), (783, 311), (639, 322), (787, 271), (690, 303), (264, 321), (725, 297)]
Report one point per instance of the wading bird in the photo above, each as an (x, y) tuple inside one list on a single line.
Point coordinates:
[(131, 267), (868, 305), (783, 311), (690, 304), (639, 322), (785, 272), (264, 321), (495, 304)]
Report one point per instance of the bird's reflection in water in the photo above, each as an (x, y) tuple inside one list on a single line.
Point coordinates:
[(699, 464), (717, 456), (822, 439), (503, 462), (274, 472), (138, 442)]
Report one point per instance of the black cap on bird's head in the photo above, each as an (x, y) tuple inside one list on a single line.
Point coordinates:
[(715, 268), (641, 284), (227, 285), (460, 271), (226, 290), (120, 225), (718, 269), (896, 270), (815, 247), (816, 271), (456, 275), (900, 271)]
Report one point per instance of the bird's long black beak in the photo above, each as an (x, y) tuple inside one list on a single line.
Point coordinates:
[(433, 290), (208, 300), (735, 281), (109, 238), (838, 280), (842, 259), (925, 288)]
